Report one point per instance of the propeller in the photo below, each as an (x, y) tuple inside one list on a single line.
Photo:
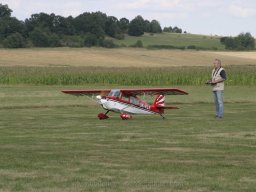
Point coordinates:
[(104, 93)]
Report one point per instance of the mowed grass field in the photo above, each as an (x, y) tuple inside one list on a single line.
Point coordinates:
[(174, 39), (50, 141)]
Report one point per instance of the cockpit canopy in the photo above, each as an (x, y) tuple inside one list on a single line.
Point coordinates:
[(114, 93)]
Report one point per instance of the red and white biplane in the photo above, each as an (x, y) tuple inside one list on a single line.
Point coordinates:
[(127, 101)]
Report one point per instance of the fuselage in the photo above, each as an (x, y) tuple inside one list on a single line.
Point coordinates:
[(117, 102), (122, 106)]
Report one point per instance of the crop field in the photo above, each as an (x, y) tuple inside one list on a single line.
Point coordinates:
[(121, 57), (50, 141), (169, 76)]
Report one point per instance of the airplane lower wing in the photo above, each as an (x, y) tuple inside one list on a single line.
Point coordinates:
[(87, 92)]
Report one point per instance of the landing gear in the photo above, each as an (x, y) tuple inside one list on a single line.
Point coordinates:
[(103, 116), (125, 116), (163, 117)]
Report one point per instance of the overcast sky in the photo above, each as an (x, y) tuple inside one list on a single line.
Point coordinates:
[(221, 17)]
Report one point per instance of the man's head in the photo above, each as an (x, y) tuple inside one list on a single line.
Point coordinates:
[(217, 63)]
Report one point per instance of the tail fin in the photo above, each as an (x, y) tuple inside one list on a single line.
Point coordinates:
[(159, 101), (159, 104)]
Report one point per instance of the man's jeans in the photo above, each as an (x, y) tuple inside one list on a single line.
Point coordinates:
[(218, 100)]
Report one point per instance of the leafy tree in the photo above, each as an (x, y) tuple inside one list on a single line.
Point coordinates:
[(136, 27), (90, 22), (62, 25), (229, 43), (167, 29), (176, 30), (172, 30), (147, 28), (98, 31), (244, 41), (39, 38), (112, 28), (5, 11), (155, 27), (223, 39), (99, 18), (10, 25), (124, 24), (41, 20), (15, 40)]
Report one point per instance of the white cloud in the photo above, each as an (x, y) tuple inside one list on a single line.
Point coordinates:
[(73, 8), (138, 4), (13, 4), (23, 9), (153, 4), (243, 12)]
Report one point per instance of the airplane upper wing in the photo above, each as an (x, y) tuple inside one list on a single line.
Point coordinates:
[(86, 92), (129, 92), (153, 91)]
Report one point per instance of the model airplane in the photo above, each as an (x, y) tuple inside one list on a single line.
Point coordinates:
[(127, 101)]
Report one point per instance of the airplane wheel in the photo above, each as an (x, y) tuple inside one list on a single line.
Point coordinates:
[(125, 116), (102, 116)]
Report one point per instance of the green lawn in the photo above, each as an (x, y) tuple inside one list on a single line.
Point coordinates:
[(50, 141), (174, 39)]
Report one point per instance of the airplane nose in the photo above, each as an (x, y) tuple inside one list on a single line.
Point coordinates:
[(98, 97)]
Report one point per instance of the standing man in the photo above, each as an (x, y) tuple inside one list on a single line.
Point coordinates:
[(217, 82)]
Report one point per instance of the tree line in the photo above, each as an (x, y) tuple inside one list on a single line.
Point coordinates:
[(244, 41), (87, 29)]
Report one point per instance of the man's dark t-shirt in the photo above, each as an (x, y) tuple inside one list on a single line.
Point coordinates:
[(223, 74)]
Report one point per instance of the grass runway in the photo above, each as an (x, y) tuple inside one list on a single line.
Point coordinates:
[(50, 141)]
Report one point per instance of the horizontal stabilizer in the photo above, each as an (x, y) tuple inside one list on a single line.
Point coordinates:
[(167, 107)]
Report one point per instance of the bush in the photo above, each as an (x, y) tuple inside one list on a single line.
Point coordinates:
[(39, 38), (138, 44), (72, 41), (166, 47), (90, 40), (123, 45), (54, 40), (120, 36), (191, 47), (107, 43), (15, 40), (172, 29)]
